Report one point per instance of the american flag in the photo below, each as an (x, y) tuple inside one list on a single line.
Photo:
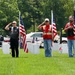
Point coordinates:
[(74, 21), (54, 29), (23, 34)]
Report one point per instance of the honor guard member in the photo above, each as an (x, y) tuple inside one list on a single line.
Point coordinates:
[(47, 36), (70, 34), (14, 37)]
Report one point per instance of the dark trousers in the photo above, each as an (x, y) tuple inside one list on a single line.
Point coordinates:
[(14, 47)]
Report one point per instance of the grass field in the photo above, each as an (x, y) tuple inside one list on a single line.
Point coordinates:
[(31, 64)]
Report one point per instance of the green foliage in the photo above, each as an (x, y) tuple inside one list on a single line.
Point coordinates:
[(63, 32), (35, 11), (8, 12)]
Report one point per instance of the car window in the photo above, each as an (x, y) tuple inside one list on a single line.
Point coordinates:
[(37, 35)]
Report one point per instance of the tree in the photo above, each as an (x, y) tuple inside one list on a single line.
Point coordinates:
[(8, 12), (35, 11), (30, 11)]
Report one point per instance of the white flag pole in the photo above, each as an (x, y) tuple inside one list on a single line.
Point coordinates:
[(52, 24), (19, 32), (19, 18), (52, 21), (51, 17)]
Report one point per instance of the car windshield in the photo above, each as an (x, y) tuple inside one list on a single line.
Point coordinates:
[(37, 35)]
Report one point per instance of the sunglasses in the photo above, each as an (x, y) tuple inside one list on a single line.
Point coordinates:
[(13, 23), (46, 21)]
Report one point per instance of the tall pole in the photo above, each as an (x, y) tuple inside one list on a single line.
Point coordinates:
[(74, 14), (19, 31), (52, 24), (51, 17), (74, 28), (52, 21), (74, 10), (61, 36)]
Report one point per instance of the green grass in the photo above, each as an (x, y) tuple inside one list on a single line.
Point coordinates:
[(31, 64)]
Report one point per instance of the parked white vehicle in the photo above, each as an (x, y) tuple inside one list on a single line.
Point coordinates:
[(35, 37), (64, 39)]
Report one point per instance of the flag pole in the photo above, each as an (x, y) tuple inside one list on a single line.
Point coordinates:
[(74, 26), (74, 11), (51, 17), (52, 25), (52, 21), (19, 33)]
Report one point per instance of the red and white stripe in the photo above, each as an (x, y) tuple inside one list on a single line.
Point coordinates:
[(74, 29), (23, 34), (54, 29)]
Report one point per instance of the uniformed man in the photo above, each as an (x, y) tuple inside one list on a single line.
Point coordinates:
[(14, 36)]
